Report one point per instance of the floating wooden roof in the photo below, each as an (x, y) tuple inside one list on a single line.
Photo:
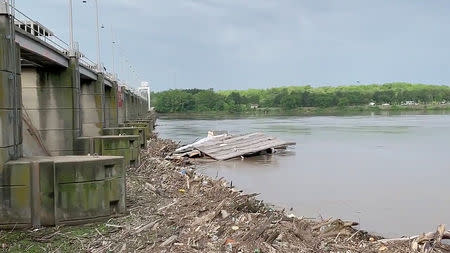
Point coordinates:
[(235, 146)]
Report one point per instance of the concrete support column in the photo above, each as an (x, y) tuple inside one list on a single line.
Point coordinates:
[(10, 96), (136, 106), (121, 105), (116, 103), (139, 104), (111, 116), (131, 106), (74, 72), (144, 107), (51, 99), (92, 102), (126, 103)]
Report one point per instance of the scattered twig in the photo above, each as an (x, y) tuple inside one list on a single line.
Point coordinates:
[(169, 241)]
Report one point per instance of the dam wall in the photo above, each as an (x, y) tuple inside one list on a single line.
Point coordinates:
[(62, 155)]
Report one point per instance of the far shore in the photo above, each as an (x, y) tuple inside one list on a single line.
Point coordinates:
[(319, 111)]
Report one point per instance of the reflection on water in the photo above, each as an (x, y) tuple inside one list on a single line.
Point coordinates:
[(385, 171)]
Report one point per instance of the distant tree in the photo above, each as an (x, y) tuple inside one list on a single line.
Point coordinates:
[(174, 101), (297, 96), (236, 98), (289, 101), (208, 100)]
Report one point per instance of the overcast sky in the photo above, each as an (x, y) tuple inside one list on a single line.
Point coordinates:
[(239, 44)]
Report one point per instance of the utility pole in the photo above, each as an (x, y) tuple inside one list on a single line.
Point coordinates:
[(99, 69), (72, 47), (98, 38), (113, 51)]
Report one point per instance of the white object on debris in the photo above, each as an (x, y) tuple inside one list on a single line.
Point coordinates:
[(211, 136)]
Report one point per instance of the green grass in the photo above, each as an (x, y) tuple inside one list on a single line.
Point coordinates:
[(62, 239)]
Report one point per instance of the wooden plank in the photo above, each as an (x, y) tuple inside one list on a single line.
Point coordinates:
[(235, 146), (230, 145), (230, 141), (249, 149), (227, 140), (243, 152), (241, 146)]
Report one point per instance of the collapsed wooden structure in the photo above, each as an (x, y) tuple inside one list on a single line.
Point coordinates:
[(224, 146)]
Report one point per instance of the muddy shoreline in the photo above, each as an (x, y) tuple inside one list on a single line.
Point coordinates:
[(174, 209)]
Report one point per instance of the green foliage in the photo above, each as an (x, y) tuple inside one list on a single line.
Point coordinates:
[(174, 101), (292, 97), (62, 239), (208, 100)]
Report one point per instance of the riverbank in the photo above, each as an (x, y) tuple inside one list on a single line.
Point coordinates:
[(316, 111), (338, 110), (173, 209)]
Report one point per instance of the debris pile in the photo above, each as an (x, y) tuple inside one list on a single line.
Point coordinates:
[(173, 209), (223, 146)]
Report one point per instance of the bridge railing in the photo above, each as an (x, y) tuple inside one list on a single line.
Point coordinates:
[(37, 30), (88, 63)]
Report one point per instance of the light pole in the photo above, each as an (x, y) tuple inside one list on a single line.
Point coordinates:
[(113, 51), (72, 49), (98, 38), (99, 69)]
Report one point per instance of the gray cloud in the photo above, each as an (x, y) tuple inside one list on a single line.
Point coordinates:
[(260, 43)]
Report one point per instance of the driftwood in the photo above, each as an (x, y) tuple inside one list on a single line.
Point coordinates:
[(169, 241), (194, 153), (324, 223), (256, 232), (426, 242), (146, 226), (420, 238), (208, 217)]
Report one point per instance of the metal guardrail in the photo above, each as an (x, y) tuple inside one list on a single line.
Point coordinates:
[(42, 33), (34, 28), (39, 31), (88, 63)]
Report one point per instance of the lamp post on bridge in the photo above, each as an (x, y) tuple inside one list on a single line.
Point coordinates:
[(99, 68), (71, 43), (72, 46), (113, 52)]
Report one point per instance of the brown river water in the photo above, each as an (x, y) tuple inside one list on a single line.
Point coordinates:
[(391, 173)]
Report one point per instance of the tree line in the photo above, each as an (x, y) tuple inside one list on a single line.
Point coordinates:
[(291, 97)]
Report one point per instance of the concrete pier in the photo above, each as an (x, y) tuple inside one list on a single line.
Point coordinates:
[(48, 191), (10, 97), (127, 146), (92, 104), (111, 110), (141, 131), (51, 98)]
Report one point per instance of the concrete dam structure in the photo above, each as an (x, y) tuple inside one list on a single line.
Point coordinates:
[(68, 132)]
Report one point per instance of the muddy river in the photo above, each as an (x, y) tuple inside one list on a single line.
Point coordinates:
[(391, 173)]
